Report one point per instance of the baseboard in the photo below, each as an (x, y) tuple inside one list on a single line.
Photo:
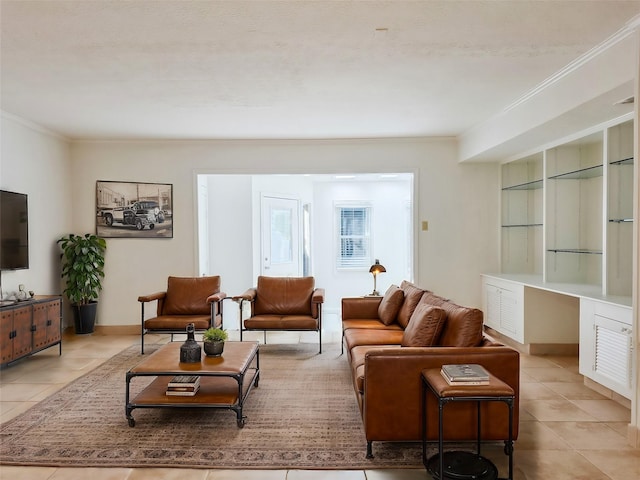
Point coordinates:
[(606, 392), (561, 349), (117, 329)]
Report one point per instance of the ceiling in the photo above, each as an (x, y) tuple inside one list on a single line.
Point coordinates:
[(108, 69)]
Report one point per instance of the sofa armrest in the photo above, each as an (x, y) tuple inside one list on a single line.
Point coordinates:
[(354, 308), (318, 296), (152, 297), (394, 372)]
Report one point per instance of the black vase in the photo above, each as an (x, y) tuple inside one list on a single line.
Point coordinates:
[(84, 317), (190, 351)]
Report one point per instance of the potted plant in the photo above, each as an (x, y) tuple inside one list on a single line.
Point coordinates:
[(213, 341), (83, 270)]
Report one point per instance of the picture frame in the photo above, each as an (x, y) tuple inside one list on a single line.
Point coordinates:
[(134, 209)]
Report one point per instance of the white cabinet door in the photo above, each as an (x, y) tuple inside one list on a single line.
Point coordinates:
[(504, 308), (606, 345)]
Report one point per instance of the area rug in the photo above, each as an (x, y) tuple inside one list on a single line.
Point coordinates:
[(303, 415)]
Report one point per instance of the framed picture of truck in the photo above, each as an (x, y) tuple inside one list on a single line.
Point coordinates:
[(134, 209)]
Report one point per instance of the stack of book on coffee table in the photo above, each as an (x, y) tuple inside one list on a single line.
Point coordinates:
[(465, 374), (183, 385)]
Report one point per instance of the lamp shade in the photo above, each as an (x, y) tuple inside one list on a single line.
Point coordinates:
[(377, 268)]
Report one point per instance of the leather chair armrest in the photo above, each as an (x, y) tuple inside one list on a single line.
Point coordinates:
[(152, 297), (354, 308), (318, 295), (216, 297), (249, 295)]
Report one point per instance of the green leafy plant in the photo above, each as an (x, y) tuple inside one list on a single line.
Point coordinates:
[(82, 266), (214, 335)]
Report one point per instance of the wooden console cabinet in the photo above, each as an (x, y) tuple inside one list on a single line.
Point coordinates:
[(29, 327)]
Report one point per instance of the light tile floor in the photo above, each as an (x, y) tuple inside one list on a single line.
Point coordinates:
[(567, 430)]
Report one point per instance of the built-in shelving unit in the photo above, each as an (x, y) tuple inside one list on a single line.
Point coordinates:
[(522, 187), (619, 215), (567, 252), (573, 197)]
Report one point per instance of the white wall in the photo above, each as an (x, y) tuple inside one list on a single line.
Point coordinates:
[(36, 162), (459, 201), (389, 203)]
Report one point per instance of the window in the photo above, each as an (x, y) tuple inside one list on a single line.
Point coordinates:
[(354, 236)]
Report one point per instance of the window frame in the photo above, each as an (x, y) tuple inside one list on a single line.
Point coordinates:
[(343, 263)]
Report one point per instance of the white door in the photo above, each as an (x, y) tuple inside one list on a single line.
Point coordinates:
[(280, 235)]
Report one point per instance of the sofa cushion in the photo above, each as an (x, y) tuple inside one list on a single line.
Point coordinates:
[(463, 327), (284, 295), (372, 324), (359, 336), (412, 295), (425, 326), (390, 304), (188, 296)]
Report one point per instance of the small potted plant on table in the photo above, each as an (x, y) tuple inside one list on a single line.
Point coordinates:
[(213, 341)]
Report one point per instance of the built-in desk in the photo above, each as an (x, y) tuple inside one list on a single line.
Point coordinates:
[(560, 317)]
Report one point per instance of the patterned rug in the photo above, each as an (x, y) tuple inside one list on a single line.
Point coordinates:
[(303, 415)]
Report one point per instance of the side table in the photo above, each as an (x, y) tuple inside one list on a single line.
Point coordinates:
[(460, 465)]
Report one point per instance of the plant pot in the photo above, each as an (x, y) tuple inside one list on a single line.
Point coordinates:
[(84, 317), (213, 349)]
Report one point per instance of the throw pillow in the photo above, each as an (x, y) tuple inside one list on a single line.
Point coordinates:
[(463, 328), (425, 326), (412, 296), (390, 304)]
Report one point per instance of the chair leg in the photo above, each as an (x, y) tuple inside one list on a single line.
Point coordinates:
[(240, 318), (142, 328)]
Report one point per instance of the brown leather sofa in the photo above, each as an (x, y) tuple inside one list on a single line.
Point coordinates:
[(196, 300), (283, 303), (390, 340)]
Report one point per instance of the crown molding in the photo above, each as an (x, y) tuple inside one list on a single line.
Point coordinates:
[(32, 126), (630, 28)]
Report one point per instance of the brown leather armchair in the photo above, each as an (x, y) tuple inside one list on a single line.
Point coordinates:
[(196, 300), (284, 304)]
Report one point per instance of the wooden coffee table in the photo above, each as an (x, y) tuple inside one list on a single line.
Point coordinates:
[(225, 382)]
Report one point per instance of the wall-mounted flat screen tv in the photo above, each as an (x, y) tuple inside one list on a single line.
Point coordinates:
[(14, 231)]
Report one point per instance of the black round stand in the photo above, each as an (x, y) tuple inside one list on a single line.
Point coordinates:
[(460, 465)]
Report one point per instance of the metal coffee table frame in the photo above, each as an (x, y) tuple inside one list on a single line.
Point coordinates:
[(443, 400), (223, 380)]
